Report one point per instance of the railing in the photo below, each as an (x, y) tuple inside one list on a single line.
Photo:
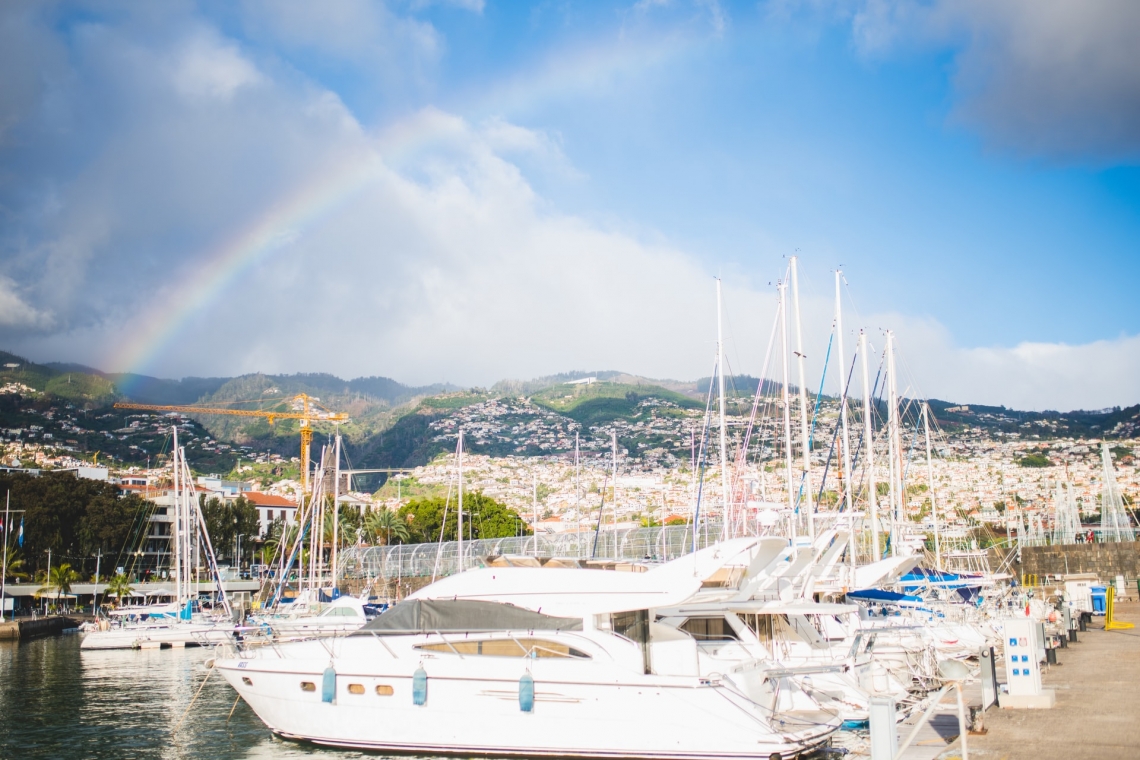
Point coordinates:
[(659, 544)]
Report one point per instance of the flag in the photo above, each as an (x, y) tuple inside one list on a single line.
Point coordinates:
[(20, 535)]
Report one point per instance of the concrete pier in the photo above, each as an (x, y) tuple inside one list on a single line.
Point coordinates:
[(27, 628), (1097, 681)]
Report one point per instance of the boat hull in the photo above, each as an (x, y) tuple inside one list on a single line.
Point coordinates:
[(479, 715)]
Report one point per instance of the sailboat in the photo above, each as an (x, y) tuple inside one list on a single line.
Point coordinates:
[(316, 608), (181, 622)]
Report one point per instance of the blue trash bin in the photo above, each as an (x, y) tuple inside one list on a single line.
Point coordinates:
[(1099, 599)]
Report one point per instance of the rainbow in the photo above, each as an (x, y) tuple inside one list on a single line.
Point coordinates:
[(162, 323), (159, 326)]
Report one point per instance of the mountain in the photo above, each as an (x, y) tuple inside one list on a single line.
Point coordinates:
[(396, 425)]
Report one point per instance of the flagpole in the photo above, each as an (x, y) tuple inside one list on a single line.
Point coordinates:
[(4, 570)]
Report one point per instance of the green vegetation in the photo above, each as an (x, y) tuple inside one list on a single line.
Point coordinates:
[(591, 403), (225, 521), (483, 517), (1034, 460), (76, 518), (59, 580), (119, 586), (384, 527)]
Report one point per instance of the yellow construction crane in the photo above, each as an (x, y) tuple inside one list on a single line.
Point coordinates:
[(308, 413)]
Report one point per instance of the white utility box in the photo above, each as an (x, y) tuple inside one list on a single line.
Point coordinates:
[(1023, 666)]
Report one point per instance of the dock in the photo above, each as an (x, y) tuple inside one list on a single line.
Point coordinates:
[(1097, 684)]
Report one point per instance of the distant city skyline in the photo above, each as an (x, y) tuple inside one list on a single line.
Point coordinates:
[(464, 191)]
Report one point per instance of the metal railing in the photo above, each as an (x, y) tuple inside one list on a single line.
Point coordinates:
[(659, 544)]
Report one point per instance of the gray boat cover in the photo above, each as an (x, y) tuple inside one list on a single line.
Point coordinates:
[(426, 616)]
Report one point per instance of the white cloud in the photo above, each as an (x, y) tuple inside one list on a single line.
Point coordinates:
[(15, 311), (206, 67), (1037, 77), (443, 263)]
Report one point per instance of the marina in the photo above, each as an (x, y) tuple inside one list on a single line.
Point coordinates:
[(637, 380)]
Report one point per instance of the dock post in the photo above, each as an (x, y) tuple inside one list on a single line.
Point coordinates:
[(884, 731)]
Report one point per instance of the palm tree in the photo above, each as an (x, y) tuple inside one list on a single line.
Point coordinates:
[(15, 563), (118, 587), (60, 580), (383, 525)]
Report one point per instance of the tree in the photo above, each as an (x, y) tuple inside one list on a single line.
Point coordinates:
[(110, 522), (59, 580), (384, 526), (119, 586), (225, 521), (483, 517), (15, 563)]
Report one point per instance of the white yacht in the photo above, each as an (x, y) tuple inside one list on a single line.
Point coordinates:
[(341, 616), (531, 662)]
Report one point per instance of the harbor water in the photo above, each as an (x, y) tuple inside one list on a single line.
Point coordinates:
[(57, 703)]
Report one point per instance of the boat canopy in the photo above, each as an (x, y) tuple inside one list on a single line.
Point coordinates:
[(430, 616), (577, 592)]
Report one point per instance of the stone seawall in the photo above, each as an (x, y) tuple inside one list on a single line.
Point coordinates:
[(1105, 560)]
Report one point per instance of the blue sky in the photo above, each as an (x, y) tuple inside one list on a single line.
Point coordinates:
[(586, 167)]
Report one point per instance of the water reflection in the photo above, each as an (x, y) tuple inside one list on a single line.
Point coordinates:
[(58, 703)]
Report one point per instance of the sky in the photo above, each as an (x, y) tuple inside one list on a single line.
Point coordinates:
[(470, 190)]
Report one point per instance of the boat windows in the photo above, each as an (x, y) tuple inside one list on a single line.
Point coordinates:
[(764, 626), (355, 688), (506, 648), (384, 690), (308, 686), (709, 629), (340, 612)]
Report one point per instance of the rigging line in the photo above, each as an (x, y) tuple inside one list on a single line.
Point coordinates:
[(700, 462), (815, 415), (875, 404), (743, 456), (601, 512), (838, 423)]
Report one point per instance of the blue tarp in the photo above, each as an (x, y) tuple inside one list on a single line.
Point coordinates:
[(921, 578), (878, 595)]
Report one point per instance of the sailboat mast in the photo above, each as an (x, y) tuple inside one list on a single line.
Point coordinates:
[(869, 437), (177, 523), (613, 440), (895, 444), (783, 288), (805, 442), (336, 507), (843, 424), (930, 479), (726, 509), (459, 535), (577, 495)]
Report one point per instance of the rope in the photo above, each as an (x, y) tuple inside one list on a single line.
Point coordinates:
[(209, 673)]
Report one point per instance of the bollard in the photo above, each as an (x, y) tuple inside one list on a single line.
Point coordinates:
[(988, 673), (1051, 656), (884, 732), (1073, 636), (1083, 623)]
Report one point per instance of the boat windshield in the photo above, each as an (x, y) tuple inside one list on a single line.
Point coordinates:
[(427, 616)]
